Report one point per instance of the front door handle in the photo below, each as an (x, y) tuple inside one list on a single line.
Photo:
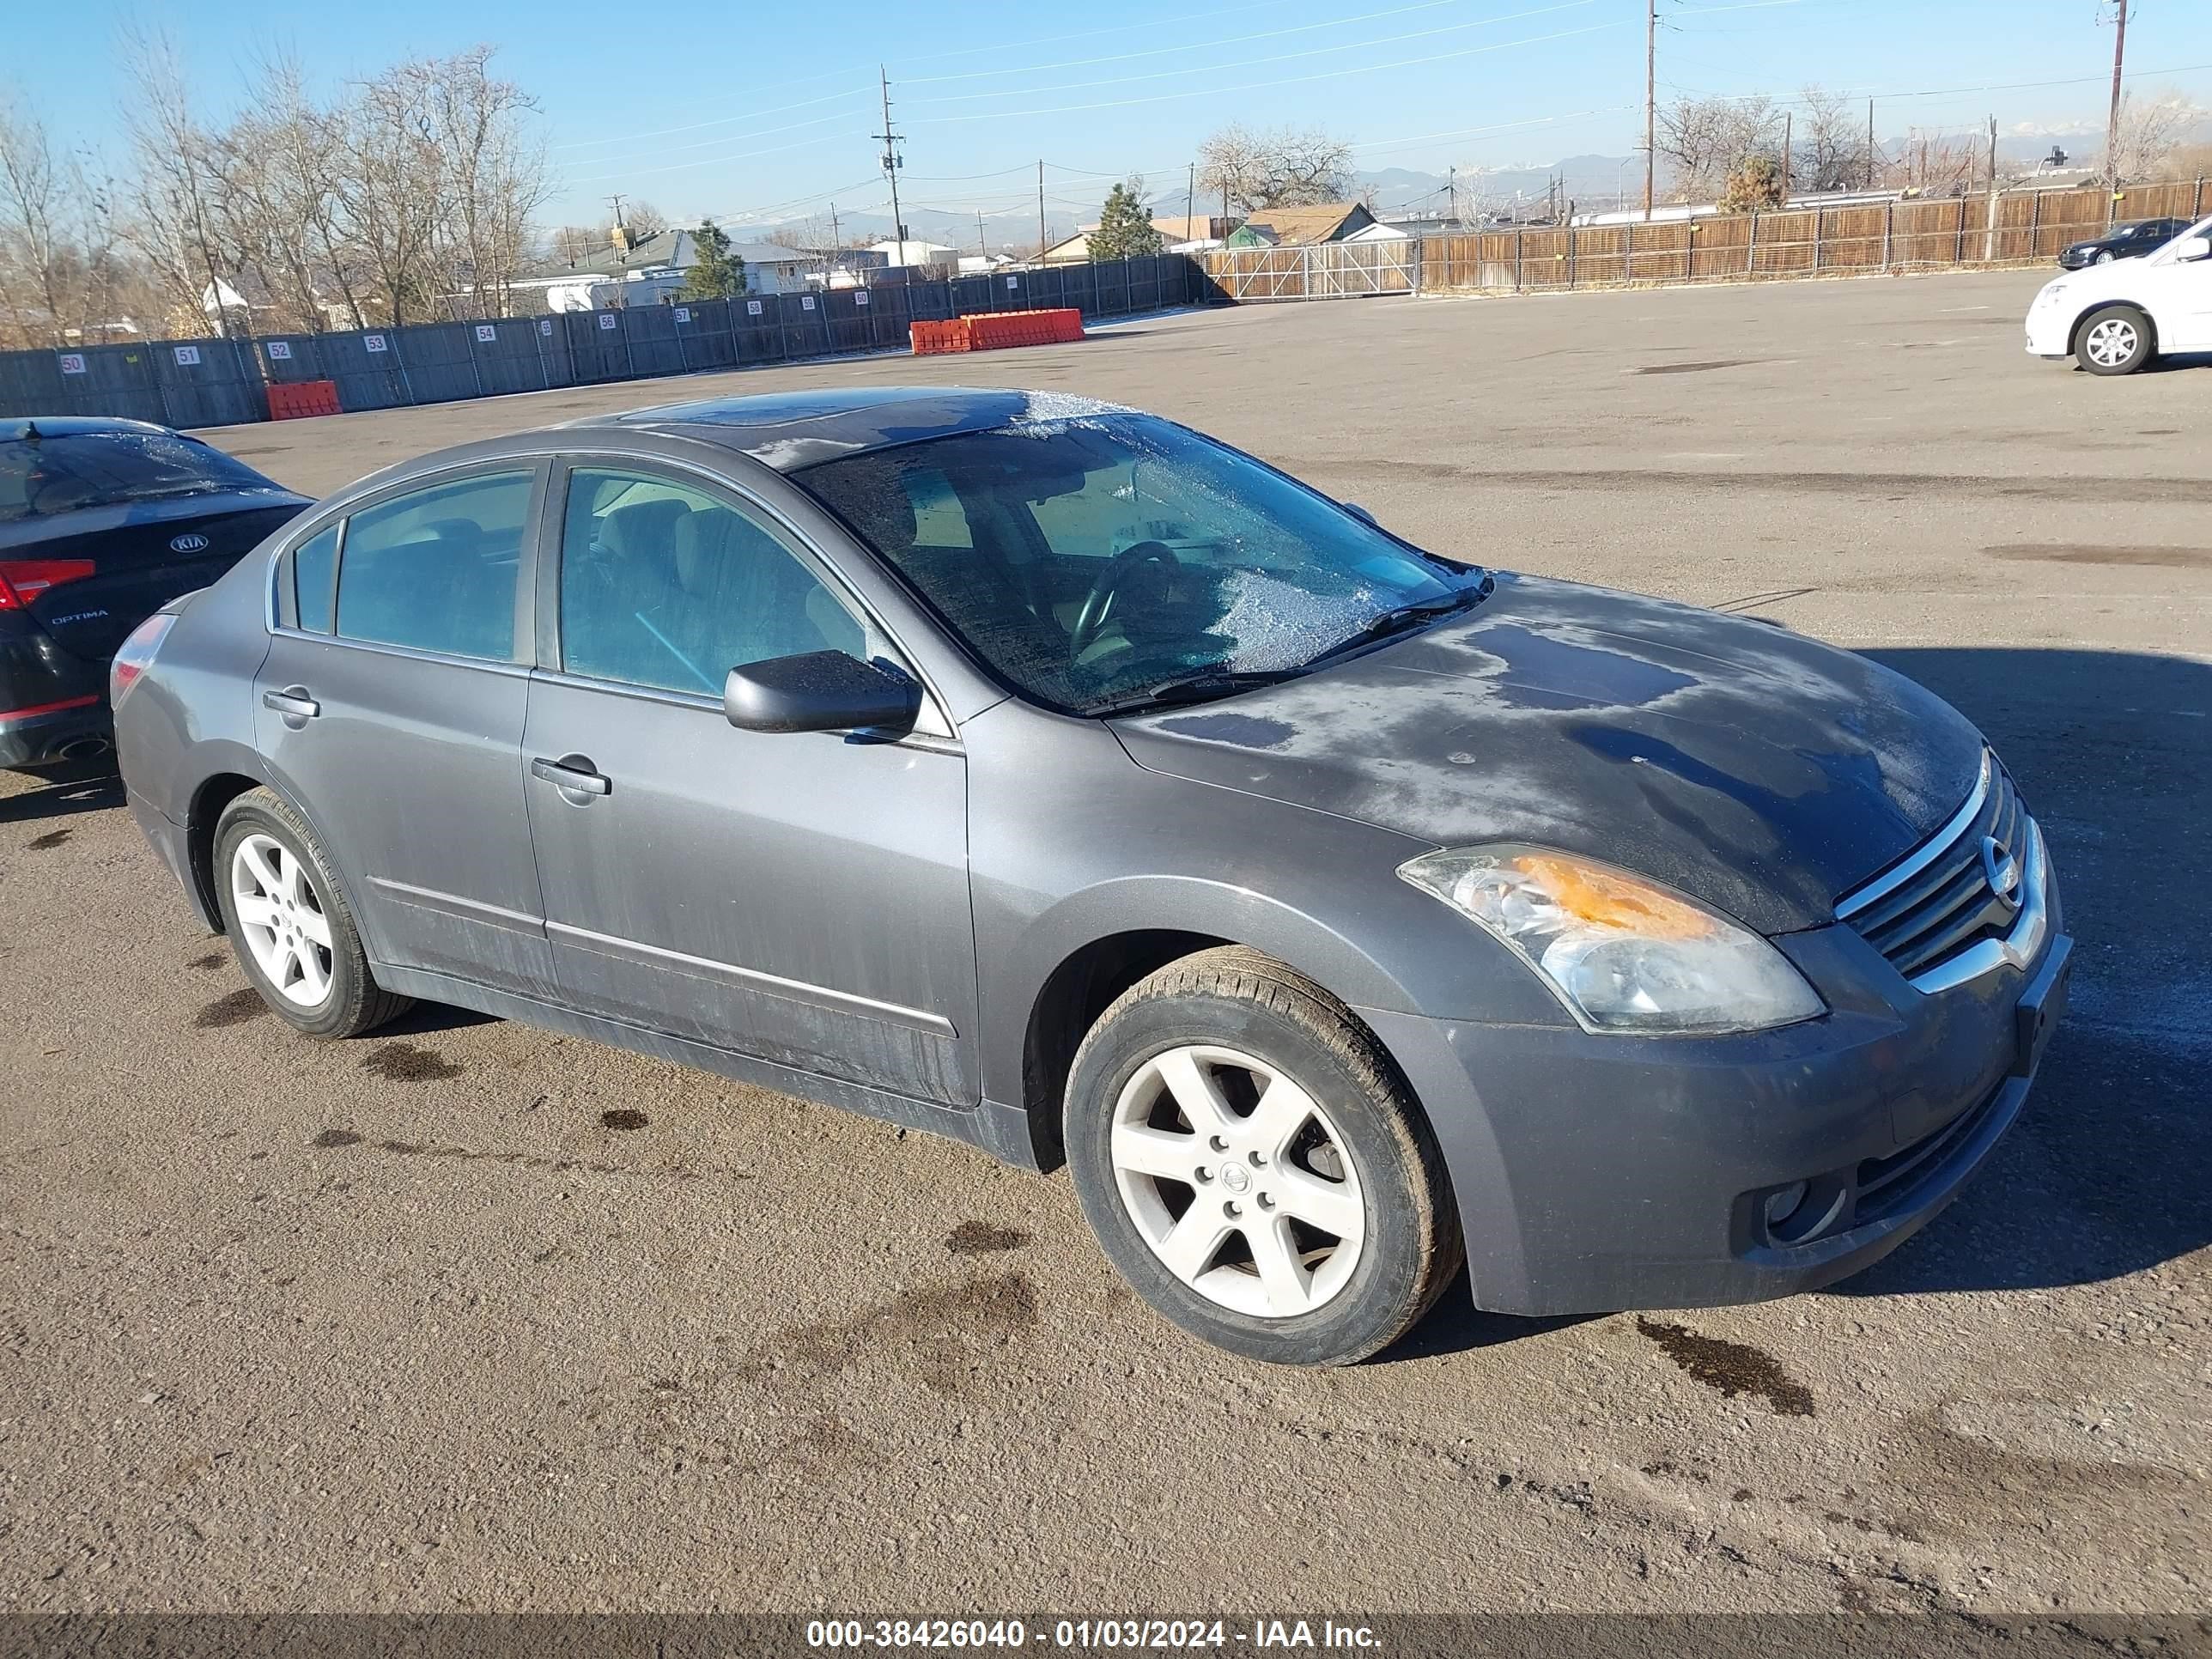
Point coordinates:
[(293, 702), (570, 772)]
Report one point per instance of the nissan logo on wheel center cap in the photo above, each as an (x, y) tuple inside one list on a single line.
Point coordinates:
[(1234, 1178), (188, 543)]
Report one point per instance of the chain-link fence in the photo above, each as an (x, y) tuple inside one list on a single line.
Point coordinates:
[(2009, 228), (219, 382)]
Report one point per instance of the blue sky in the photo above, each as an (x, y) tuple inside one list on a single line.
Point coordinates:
[(731, 109)]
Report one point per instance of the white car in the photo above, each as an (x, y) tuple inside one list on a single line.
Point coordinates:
[(2115, 318)]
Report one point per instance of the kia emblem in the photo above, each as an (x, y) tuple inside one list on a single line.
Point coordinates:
[(187, 543)]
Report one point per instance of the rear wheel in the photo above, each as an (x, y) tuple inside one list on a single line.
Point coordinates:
[(2114, 340), (289, 924), (1252, 1165)]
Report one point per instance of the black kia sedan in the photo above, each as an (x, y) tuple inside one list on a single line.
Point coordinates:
[(2123, 242), (102, 522)]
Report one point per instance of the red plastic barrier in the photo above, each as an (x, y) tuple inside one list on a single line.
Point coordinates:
[(304, 398), (991, 331), (934, 339)]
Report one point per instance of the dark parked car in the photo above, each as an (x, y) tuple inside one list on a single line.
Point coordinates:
[(1050, 776), (101, 522), (2124, 242)]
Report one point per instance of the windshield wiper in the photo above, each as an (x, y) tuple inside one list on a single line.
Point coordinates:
[(1198, 688), (1401, 619)]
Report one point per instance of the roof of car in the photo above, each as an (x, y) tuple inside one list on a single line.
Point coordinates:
[(788, 430), (68, 426)]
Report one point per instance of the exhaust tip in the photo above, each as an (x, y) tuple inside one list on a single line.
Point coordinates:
[(84, 749)]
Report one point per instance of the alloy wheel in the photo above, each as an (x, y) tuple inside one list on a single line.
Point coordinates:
[(281, 919), (2111, 342), (1237, 1180)]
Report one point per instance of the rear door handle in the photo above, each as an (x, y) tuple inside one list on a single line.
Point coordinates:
[(570, 772), (293, 702)]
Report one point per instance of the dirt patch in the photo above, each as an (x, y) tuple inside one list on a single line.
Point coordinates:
[(336, 1138), (52, 839), (981, 1238), (210, 963), (2176, 558), (624, 1120), (403, 1062), (942, 1334), (1731, 1368), (233, 1009), (1695, 368)]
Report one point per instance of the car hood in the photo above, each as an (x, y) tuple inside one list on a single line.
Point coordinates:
[(1754, 769)]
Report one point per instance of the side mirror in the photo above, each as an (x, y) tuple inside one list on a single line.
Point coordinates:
[(819, 691), (1360, 513), (2192, 247)]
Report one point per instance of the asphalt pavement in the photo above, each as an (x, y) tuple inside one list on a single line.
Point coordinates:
[(464, 1316)]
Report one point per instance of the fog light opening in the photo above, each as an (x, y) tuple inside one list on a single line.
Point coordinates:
[(1786, 1202)]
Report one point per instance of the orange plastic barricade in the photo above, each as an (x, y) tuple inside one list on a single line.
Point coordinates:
[(303, 398)]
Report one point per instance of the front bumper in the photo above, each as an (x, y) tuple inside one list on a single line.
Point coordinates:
[(1595, 1173)]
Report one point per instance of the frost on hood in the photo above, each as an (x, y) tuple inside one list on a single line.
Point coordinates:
[(1270, 623)]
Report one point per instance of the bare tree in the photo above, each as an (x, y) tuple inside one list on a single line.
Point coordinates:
[(176, 224), (493, 176), (1289, 167), (1704, 140), (643, 219), (1832, 142), (570, 243), (2151, 130), (34, 256)]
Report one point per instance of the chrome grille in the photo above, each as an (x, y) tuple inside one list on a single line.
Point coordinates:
[(1935, 915)]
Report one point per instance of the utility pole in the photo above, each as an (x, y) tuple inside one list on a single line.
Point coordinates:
[(2112, 125), (1993, 154), (1788, 121), (1870, 151), (981, 246), (1451, 193), (1651, 100), (1041, 243), (836, 246), (892, 162), (1190, 204), (616, 201)]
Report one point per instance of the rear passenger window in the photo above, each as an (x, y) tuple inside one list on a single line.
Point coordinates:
[(314, 562), (664, 586), (435, 570)]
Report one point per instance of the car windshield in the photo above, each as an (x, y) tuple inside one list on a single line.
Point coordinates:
[(42, 477), (1097, 561)]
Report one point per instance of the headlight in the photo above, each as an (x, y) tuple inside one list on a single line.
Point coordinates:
[(2051, 291), (1623, 954)]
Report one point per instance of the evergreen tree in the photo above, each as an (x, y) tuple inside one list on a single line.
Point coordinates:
[(1125, 229), (716, 273)]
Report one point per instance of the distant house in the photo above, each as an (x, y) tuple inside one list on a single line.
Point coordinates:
[(650, 270), (1176, 230), (913, 252), (1301, 227)]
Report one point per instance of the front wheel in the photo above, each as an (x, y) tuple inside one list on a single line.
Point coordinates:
[(1252, 1165), (2114, 340), (2106, 257)]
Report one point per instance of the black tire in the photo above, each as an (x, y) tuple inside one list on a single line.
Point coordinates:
[(2123, 317), (1239, 999), (355, 1002)]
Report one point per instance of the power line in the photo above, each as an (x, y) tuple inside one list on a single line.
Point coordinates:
[(1286, 81), (725, 138), (709, 160), (1254, 63), (723, 121), (1193, 45)]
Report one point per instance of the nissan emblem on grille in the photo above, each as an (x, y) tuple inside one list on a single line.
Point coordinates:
[(2002, 871)]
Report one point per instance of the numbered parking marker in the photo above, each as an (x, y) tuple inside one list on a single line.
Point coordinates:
[(72, 363), (188, 356), (279, 350)]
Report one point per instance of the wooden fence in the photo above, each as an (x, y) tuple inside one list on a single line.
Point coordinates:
[(2009, 228)]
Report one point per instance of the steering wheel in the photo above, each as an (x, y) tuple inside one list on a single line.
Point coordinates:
[(1098, 603)]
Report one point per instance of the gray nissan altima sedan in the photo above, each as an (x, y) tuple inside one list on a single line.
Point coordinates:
[(1046, 775)]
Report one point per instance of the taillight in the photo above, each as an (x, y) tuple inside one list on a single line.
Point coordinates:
[(22, 580), (137, 655)]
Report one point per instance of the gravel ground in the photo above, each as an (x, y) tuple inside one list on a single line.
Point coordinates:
[(468, 1316)]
